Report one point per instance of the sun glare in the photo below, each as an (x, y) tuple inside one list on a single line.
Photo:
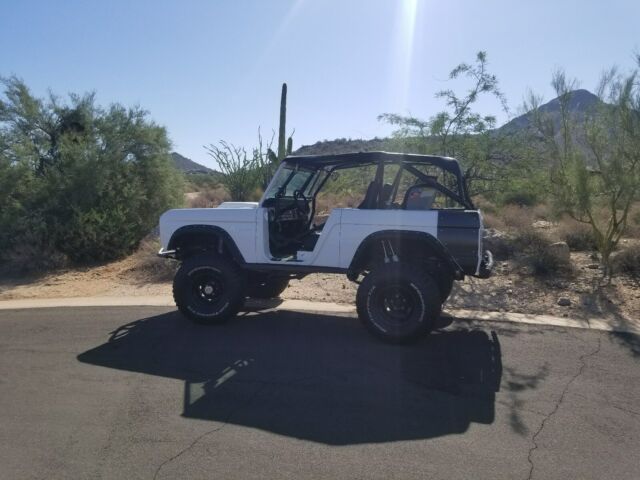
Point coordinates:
[(277, 36), (406, 27)]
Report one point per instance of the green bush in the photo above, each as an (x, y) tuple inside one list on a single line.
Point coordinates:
[(537, 254), (627, 261), (522, 198), (198, 182), (545, 262), (579, 237), (530, 240), (85, 181)]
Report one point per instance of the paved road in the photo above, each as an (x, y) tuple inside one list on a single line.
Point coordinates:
[(140, 393)]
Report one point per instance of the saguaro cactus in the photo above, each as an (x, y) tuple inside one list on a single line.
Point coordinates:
[(285, 146), (283, 123)]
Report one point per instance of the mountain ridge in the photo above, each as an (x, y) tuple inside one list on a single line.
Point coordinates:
[(186, 165), (580, 103)]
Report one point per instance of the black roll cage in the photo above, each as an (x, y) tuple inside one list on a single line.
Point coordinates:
[(406, 161)]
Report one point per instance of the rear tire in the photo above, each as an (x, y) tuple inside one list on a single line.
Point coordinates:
[(208, 289), (264, 286), (398, 302), (445, 285)]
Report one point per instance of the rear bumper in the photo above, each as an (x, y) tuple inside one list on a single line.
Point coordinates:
[(486, 266)]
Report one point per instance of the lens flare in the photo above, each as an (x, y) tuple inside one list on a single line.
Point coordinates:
[(278, 35), (406, 28)]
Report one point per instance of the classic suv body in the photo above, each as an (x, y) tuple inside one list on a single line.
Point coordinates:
[(413, 234), (246, 224)]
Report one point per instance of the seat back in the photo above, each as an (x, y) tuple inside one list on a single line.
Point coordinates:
[(370, 200)]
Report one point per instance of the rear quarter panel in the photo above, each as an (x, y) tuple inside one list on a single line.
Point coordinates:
[(359, 224), (458, 230)]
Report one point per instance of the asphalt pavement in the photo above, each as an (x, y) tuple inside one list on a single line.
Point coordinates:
[(139, 392)]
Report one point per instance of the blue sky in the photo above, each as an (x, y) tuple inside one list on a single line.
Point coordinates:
[(211, 70)]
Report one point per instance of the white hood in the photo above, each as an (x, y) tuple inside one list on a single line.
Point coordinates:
[(238, 205)]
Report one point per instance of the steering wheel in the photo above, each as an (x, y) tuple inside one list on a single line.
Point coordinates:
[(302, 204), (299, 204)]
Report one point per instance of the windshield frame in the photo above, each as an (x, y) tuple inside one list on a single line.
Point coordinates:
[(284, 175)]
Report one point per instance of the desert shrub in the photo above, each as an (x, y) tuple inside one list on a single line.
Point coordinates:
[(196, 182), (528, 240), (633, 227), (545, 262), (500, 244), (627, 261), (31, 255), (521, 198), (244, 174), (493, 220), (542, 211), (211, 197), (517, 217), (578, 236), (88, 182), (147, 266), (486, 205), (537, 254)]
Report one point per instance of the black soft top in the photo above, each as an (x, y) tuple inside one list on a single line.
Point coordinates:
[(345, 160)]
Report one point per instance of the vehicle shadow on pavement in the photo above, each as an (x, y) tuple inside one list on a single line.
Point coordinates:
[(315, 377)]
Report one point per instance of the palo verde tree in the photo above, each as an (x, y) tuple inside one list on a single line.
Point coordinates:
[(80, 179), (459, 131), (595, 163)]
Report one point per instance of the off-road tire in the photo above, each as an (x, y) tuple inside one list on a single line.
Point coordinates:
[(445, 285), (398, 302), (208, 289), (261, 285)]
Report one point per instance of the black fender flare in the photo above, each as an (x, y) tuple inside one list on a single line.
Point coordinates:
[(429, 240), (208, 230)]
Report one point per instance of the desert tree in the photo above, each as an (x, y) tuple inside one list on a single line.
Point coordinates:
[(595, 160), (458, 130), (86, 181)]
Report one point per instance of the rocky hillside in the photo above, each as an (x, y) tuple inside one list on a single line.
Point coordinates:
[(343, 145), (186, 165), (582, 101)]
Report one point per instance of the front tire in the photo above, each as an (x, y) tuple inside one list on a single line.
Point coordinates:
[(398, 302), (208, 289)]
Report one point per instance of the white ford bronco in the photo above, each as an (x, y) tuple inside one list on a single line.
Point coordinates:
[(414, 232)]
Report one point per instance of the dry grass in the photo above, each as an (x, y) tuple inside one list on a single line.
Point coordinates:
[(210, 197), (538, 255), (579, 236), (633, 228), (513, 217), (627, 261), (518, 218), (30, 257), (147, 266)]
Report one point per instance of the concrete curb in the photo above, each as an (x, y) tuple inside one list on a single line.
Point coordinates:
[(620, 326), (325, 307)]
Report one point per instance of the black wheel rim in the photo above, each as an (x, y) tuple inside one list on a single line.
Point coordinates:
[(207, 286), (397, 307)]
